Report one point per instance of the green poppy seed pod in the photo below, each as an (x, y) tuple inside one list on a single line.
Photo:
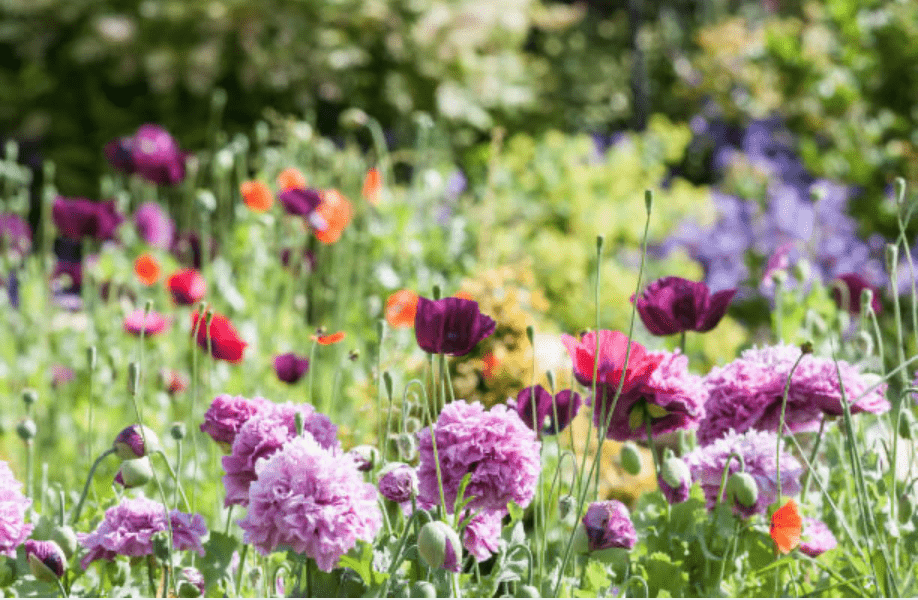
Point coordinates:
[(565, 505), (530, 334), (807, 347), (353, 118), (178, 431), (600, 240), (29, 397), (387, 383), (892, 257), (161, 545), (900, 192), (742, 488), (675, 472), (630, 458), (905, 425), (66, 538), (423, 589), (133, 378), (134, 473), (527, 591), (648, 200), (436, 541), (26, 430), (92, 357)]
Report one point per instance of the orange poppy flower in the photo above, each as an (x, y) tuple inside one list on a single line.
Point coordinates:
[(401, 307), (291, 178), (786, 527), (256, 195), (463, 296), (146, 267), (372, 186), (336, 211), (328, 340), (491, 364)]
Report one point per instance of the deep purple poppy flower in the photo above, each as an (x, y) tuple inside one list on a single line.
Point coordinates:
[(74, 271), (674, 305), (565, 404), (77, 218), (15, 235), (151, 153), (300, 202), (290, 368), (855, 285), (154, 225), (450, 326), (608, 525)]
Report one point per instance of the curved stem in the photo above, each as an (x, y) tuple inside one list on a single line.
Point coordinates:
[(92, 470)]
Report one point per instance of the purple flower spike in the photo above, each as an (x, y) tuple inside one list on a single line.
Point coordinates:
[(817, 538), (300, 202), (675, 305), (855, 285), (151, 153), (77, 218), (450, 326), (48, 555), (566, 403), (608, 525), (154, 225), (290, 368)]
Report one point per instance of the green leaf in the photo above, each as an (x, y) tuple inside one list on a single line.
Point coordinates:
[(665, 575), (218, 553), (595, 577)]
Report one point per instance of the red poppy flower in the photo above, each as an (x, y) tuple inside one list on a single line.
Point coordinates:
[(336, 212), (328, 340), (372, 186), (187, 287), (401, 308), (256, 195), (224, 340), (146, 267), (786, 527), (290, 179)]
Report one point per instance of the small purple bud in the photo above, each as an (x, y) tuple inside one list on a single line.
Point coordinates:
[(130, 442), (46, 559)]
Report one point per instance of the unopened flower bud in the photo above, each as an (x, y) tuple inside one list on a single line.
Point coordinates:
[(892, 258), (631, 458), (387, 383), (439, 546), (364, 457), (191, 583), (66, 538), (675, 480), (26, 430), (743, 489), (423, 589), (161, 545), (134, 473), (565, 505), (528, 591), (46, 559), (807, 347), (407, 447), (135, 442), (133, 381), (91, 357), (29, 397), (178, 431)]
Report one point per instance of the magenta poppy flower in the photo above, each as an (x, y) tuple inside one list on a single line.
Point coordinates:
[(154, 225), (613, 347), (187, 287), (674, 305), (77, 218), (151, 153), (450, 326), (290, 368), (608, 525), (855, 284), (565, 404), (221, 337), (150, 324), (300, 202)]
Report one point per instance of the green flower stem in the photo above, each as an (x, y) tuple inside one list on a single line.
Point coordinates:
[(805, 485), (312, 373), (240, 569), (151, 578), (175, 478), (726, 471), (195, 392), (651, 445), (229, 519), (89, 407), (781, 422), (433, 439), (382, 424), (92, 470)]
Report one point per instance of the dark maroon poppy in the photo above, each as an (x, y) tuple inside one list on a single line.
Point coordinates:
[(300, 202), (855, 284), (15, 235), (290, 368), (77, 218), (221, 337), (450, 326), (674, 305), (187, 287), (151, 153), (566, 403)]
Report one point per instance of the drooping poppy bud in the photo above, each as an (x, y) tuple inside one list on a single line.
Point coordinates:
[(46, 559), (630, 458), (742, 489), (439, 546), (135, 441), (675, 480), (450, 326), (674, 305), (134, 473), (187, 287)]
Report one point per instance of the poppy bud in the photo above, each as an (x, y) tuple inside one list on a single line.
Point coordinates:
[(134, 473), (191, 583), (161, 545), (178, 431), (867, 298), (29, 397), (630, 458), (46, 560), (26, 430), (742, 489), (807, 347), (133, 378), (528, 591), (91, 357), (675, 472), (365, 457), (387, 382), (423, 589), (135, 442), (439, 546), (66, 538), (892, 258), (407, 447), (565, 505)]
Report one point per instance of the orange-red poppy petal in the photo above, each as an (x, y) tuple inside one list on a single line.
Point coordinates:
[(291, 178), (372, 186), (256, 195), (146, 267), (327, 340), (786, 527), (401, 308)]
